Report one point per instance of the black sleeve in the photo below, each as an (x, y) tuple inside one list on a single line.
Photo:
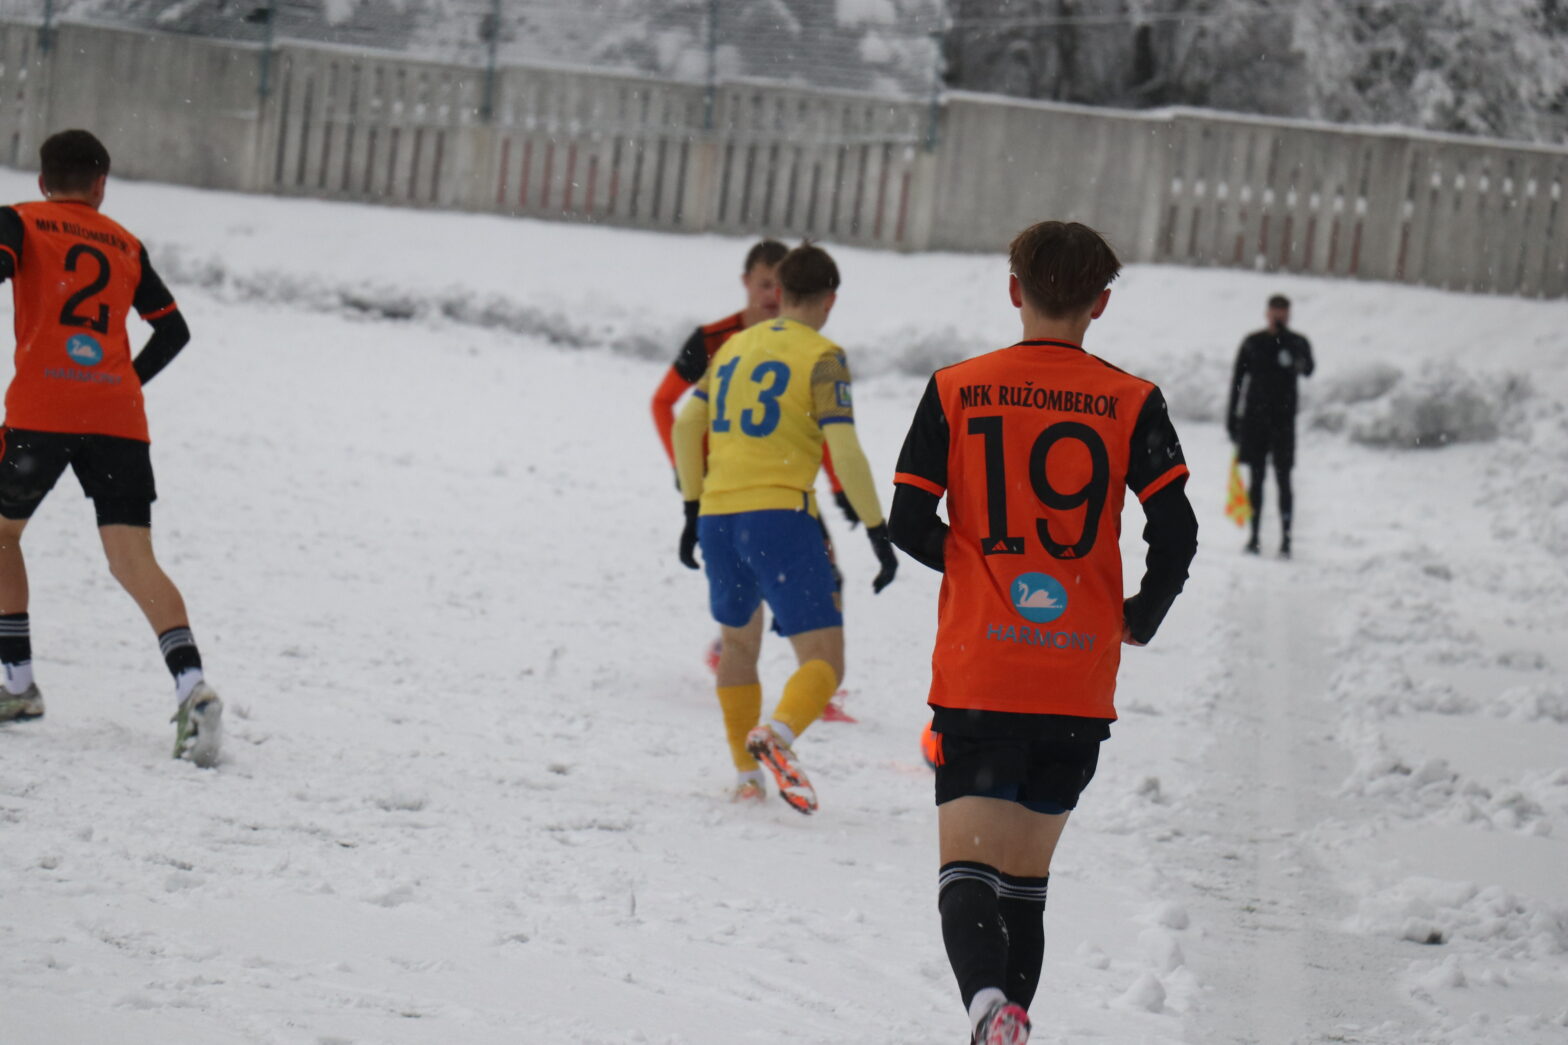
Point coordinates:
[(169, 335), (1306, 364), (154, 303), (10, 242), (1238, 377), (1171, 532), (913, 523), (1155, 451), (925, 447), (693, 359), (914, 526), (152, 297)]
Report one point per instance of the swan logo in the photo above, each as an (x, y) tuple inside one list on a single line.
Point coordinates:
[(84, 350), (1039, 597)]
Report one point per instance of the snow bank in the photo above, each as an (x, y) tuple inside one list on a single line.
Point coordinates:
[(1438, 404), (1433, 911)]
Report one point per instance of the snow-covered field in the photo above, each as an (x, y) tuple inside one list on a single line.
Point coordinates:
[(474, 772)]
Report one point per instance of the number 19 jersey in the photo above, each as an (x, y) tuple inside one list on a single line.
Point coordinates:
[(770, 389), (77, 275), (1033, 447)]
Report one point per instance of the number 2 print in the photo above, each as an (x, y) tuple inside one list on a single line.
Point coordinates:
[(68, 314)]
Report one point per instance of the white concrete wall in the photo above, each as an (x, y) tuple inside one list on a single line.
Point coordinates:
[(1186, 187)]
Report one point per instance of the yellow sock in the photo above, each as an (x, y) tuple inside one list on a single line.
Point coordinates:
[(806, 694), (742, 709)]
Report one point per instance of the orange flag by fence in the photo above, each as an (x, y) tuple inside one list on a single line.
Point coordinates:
[(1237, 507)]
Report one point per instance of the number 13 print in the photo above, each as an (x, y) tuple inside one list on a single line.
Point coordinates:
[(774, 376)]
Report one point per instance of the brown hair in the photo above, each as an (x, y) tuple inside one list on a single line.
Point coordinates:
[(70, 161), (1279, 301), (807, 272), (764, 252), (1062, 266)]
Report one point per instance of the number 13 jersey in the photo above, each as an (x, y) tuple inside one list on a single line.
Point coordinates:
[(77, 275), (1033, 446), (770, 389)]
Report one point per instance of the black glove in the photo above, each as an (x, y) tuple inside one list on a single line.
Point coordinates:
[(689, 537), (841, 499), (883, 546)]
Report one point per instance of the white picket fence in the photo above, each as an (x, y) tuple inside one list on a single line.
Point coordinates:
[(1187, 187)]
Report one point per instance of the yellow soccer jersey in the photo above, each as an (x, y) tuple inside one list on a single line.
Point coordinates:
[(770, 389)]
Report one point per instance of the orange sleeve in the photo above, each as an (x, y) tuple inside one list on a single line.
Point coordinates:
[(919, 482), (664, 399), (827, 466)]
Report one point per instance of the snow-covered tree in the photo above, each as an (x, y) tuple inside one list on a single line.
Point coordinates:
[(1496, 67)]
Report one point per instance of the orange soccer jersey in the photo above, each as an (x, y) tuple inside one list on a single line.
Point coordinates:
[(1033, 446), (687, 370), (77, 276)]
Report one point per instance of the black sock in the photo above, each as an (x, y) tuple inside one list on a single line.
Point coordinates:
[(1022, 906), (16, 643), (179, 650), (972, 927)]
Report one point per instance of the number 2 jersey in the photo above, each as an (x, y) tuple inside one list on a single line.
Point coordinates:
[(1033, 447), (770, 389), (76, 275)]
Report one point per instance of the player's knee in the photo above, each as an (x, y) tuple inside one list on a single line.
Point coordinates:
[(747, 637), (123, 568), (131, 564)]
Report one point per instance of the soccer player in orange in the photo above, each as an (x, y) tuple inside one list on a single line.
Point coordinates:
[(1032, 446), (748, 446), (76, 401), (760, 278)]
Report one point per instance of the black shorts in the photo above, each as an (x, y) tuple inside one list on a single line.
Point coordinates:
[(1259, 443), (116, 473), (1045, 776)]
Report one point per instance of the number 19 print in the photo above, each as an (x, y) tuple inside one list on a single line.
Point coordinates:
[(1090, 496)]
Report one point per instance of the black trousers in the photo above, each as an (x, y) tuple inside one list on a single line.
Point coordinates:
[(1260, 444)]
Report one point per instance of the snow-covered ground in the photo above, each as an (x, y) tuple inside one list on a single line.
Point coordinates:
[(474, 775)]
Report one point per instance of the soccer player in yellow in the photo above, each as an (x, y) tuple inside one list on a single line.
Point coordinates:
[(771, 397)]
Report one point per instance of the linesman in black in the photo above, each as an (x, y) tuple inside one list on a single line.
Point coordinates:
[(1261, 417)]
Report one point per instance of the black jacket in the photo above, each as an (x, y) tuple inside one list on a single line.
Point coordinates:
[(1263, 387)]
